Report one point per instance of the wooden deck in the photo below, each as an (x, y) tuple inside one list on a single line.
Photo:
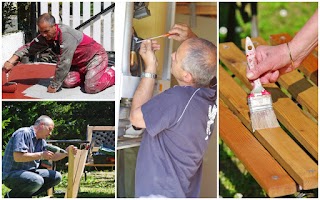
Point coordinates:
[(282, 160)]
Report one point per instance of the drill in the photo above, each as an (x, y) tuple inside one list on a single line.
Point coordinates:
[(54, 149)]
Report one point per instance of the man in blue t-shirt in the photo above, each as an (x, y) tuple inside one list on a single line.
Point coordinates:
[(21, 160), (177, 122)]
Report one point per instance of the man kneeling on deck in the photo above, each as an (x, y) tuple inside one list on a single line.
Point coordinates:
[(80, 58), (22, 157)]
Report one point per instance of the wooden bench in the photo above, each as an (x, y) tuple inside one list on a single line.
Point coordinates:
[(282, 160), (98, 136)]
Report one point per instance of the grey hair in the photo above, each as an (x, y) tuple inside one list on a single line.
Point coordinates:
[(200, 61), (47, 17), (44, 119)]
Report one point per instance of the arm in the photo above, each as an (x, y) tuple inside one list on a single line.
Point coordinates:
[(70, 44), (27, 157), (272, 61), (145, 89), (36, 45)]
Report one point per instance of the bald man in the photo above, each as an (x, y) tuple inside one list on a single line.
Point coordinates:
[(22, 157), (178, 122), (81, 60)]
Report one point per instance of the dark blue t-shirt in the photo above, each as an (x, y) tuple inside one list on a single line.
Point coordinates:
[(170, 157)]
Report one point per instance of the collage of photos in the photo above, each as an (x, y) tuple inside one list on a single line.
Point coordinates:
[(213, 99)]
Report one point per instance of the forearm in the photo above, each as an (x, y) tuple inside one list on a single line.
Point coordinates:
[(26, 157), (305, 40), (59, 156), (142, 94), (14, 59)]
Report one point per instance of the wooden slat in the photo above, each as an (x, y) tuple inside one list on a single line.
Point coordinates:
[(76, 166), (55, 11), (287, 112), (108, 34), (300, 88), (71, 173), (310, 64), (261, 165), (75, 14), (97, 26), (66, 13), (86, 16), (183, 8), (298, 164)]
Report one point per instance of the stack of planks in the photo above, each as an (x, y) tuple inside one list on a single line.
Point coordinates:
[(282, 160)]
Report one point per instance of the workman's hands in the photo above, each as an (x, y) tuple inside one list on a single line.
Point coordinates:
[(7, 67), (181, 32), (147, 52), (272, 61), (47, 155), (74, 149), (51, 89)]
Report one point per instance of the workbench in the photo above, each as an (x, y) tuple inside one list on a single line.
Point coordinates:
[(282, 160)]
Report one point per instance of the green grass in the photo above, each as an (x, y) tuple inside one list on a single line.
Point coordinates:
[(99, 184)]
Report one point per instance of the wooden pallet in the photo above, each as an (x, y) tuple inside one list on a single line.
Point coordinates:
[(280, 163)]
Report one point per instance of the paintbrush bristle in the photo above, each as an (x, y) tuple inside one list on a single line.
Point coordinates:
[(261, 112)]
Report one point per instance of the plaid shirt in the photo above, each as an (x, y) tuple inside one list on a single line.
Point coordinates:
[(23, 140)]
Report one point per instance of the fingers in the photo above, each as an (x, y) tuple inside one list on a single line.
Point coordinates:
[(48, 155)]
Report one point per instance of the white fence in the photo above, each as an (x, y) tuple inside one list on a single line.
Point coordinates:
[(101, 31)]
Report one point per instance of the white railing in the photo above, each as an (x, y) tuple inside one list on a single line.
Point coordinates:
[(101, 30)]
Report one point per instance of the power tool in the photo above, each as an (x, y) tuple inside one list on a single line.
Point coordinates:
[(54, 149)]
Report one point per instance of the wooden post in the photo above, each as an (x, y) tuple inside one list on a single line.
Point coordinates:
[(70, 174)]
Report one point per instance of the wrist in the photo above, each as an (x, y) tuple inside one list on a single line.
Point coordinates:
[(12, 63), (148, 75), (41, 155)]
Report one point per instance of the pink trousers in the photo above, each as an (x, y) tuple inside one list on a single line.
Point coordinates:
[(96, 76)]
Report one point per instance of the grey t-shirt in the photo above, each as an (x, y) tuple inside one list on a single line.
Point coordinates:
[(170, 157)]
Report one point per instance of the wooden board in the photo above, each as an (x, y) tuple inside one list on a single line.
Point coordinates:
[(277, 142), (257, 160), (288, 113), (75, 170)]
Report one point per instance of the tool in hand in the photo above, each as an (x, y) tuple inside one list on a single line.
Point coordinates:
[(259, 99), (9, 87), (54, 149), (152, 38)]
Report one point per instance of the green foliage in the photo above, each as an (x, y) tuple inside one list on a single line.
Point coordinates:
[(71, 118), (8, 9)]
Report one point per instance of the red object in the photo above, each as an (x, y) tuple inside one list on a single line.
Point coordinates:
[(27, 75), (9, 87)]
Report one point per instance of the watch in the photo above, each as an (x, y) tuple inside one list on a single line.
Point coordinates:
[(148, 75)]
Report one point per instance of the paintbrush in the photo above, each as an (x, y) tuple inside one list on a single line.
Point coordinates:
[(259, 100), (152, 38)]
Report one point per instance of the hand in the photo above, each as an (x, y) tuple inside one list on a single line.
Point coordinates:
[(147, 52), (272, 61), (74, 149), (47, 155), (181, 32), (51, 89), (7, 67)]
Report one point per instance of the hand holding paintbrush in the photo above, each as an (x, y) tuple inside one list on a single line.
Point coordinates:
[(259, 99)]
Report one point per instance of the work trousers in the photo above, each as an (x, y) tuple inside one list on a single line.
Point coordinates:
[(25, 184), (97, 75)]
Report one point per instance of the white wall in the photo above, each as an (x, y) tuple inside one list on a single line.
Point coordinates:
[(10, 43)]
